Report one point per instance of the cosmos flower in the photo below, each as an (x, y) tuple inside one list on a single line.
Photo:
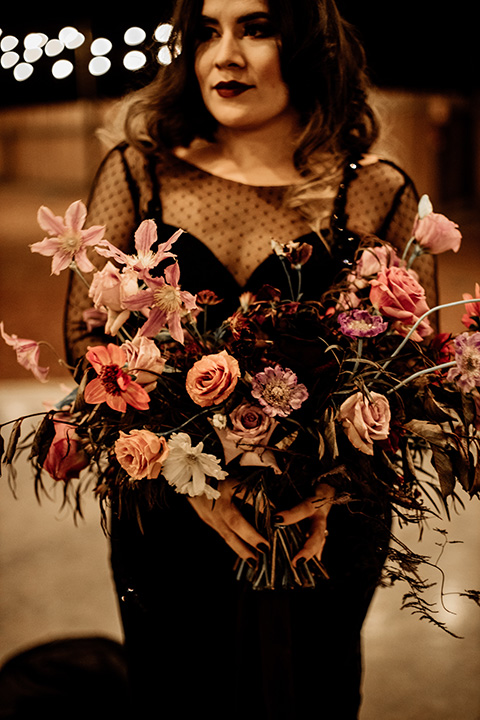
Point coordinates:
[(68, 240), (112, 384), (278, 391), (187, 468)]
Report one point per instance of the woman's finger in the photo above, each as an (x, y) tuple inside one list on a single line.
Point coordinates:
[(320, 503)]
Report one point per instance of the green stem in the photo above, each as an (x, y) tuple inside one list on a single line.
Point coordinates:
[(422, 372)]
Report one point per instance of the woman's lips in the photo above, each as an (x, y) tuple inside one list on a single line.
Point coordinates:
[(231, 89)]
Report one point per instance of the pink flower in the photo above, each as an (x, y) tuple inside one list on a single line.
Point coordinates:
[(365, 419), (371, 262), (68, 241), (28, 353), (436, 233), (278, 391), (471, 318), (144, 361), (466, 372), (146, 259), (109, 289), (141, 453), (397, 294), (165, 302), (361, 323), (65, 458), (250, 432), (212, 379), (113, 385)]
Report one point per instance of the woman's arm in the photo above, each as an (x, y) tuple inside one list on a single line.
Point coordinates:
[(113, 203)]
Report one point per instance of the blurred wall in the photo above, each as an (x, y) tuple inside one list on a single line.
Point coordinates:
[(48, 156)]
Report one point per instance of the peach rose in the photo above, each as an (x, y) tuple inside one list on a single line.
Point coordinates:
[(141, 453), (212, 379), (397, 294), (65, 458), (364, 420), (437, 234), (249, 435)]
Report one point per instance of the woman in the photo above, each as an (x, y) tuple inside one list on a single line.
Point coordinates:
[(259, 130)]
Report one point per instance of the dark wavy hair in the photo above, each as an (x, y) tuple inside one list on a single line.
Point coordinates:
[(323, 65)]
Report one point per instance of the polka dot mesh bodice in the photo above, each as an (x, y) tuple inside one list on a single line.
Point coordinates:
[(236, 222)]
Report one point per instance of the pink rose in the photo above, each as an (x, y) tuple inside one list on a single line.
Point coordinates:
[(144, 361), (250, 422), (212, 378), (437, 234), (397, 294), (248, 436), (365, 421), (65, 457), (372, 261), (141, 453)]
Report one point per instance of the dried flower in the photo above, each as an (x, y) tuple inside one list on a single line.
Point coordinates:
[(361, 323), (278, 391), (187, 468)]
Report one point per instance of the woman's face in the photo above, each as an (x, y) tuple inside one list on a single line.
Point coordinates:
[(237, 65)]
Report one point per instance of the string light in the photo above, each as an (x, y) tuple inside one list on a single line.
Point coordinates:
[(37, 45)]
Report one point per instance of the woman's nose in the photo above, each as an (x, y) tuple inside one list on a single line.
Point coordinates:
[(229, 51)]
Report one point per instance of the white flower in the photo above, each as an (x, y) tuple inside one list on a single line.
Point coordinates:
[(186, 468), (425, 207)]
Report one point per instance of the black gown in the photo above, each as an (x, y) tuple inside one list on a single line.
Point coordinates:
[(197, 639)]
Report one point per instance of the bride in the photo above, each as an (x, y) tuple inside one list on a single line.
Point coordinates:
[(260, 129)]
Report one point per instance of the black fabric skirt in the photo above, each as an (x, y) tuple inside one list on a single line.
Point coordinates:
[(196, 639)]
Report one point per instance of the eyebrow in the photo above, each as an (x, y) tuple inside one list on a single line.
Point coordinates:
[(243, 19)]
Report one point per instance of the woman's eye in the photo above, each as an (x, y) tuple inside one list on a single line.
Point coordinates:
[(206, 33), (259, 30)]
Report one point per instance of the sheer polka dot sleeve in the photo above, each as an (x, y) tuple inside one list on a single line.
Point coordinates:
[(113, 203)]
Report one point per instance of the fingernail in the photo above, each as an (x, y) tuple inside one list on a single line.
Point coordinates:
[(301, 561), (263, 547), (252, 562), (278, 519)]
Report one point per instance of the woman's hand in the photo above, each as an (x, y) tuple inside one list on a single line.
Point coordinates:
[(224, 517), (316, 508)]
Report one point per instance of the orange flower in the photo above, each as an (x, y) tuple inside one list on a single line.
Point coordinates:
[(212, 378), (113, 385)]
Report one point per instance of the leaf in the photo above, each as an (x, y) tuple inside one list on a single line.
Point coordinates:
[(445, 470), (431, 432), (437, 411), (13, 441), (42, 440)]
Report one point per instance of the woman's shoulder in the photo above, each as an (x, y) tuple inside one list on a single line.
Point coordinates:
[(377, 168)]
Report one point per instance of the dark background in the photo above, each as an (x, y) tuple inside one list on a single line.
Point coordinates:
[(410, 45)]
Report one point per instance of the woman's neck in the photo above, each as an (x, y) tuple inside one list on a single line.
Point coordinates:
[(255, 157)]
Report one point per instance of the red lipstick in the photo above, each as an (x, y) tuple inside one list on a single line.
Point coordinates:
[(231, 88)]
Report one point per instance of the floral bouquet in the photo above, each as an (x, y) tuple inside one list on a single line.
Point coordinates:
[(353, 390)]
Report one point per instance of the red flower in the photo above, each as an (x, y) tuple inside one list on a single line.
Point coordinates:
[(65, 459), (113, 385)]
